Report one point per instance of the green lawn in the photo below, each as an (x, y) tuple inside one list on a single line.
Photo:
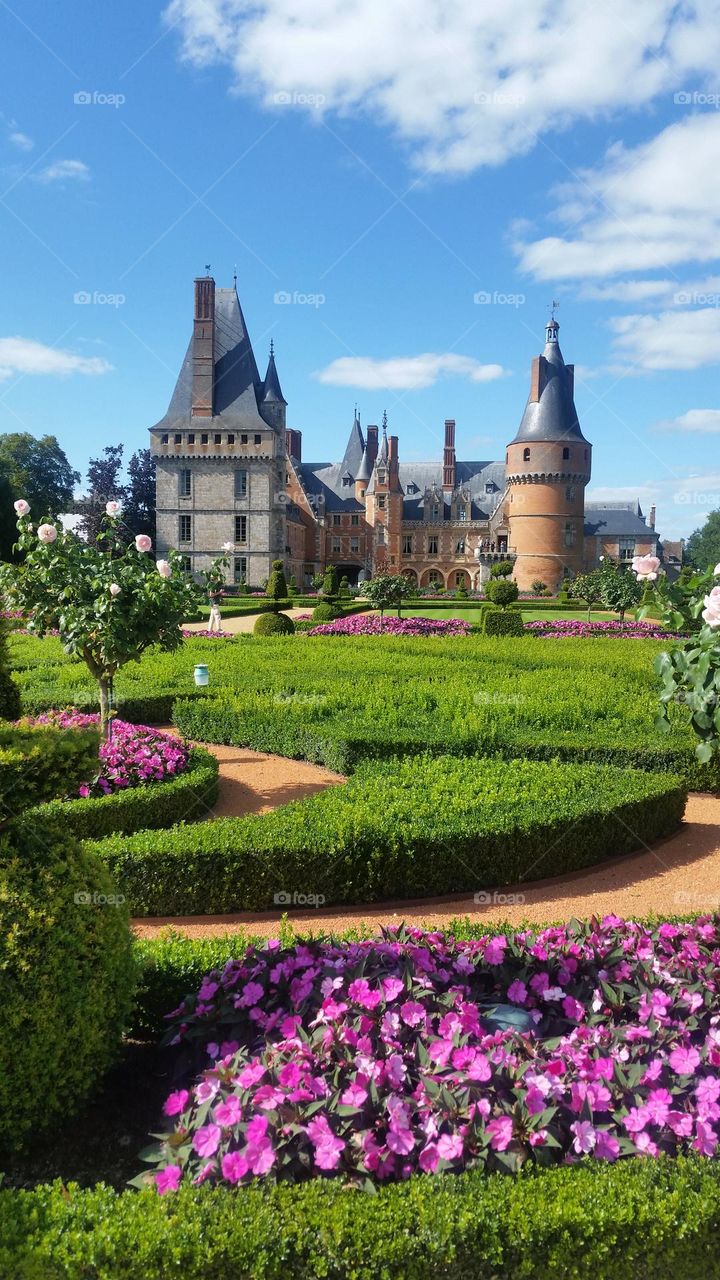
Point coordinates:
[(529, 614)]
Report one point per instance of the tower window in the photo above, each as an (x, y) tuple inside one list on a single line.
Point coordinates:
[(185, 483), (258, 439), (178, 438), (586, 455), (381, 503), (570, 493), (526, 455), (191, 438), (231, 438), (241, 478), (241, 528), (217, 438), (185, 529), (566, 455), (569, 534), (204, 437), (243, 439)]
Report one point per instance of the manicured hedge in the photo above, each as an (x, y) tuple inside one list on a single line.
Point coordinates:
[(185, 798), (42, 761), (502, 622), (398, 831), (645, 1219)]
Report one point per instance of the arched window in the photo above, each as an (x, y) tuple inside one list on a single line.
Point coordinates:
[(526, 455)]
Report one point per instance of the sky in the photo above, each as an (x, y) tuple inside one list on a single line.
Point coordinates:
[(403, 189)]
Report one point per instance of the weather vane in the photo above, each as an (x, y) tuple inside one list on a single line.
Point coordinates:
[(553, 309), (207, 268)]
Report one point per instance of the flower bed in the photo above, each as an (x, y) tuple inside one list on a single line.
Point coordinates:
[(561, 628), (189, 634), (419, 1053), (134, 756), (375, 626)]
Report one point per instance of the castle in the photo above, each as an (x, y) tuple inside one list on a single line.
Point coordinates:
[(229, 471)]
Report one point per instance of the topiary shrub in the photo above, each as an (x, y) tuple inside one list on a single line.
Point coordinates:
[(330, 583), (274, 624), (502, 622), (502, 569), (9, 694), (66, 963), (325, 612), (502, 592), (276, 587)]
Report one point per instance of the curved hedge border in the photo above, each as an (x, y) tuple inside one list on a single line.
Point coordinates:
[(182, 799), (398, 831), (649, 1219), (342, 746)]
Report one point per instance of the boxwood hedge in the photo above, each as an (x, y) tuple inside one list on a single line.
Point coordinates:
[(649, 1219), (398, 831), (182, 799)]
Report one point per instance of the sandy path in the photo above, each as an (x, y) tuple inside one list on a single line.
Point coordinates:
[(240, 625), (676, 876)]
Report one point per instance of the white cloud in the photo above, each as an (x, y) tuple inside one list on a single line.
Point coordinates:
[(683, 502), (650, 207), (61, 170), (703, 420), (702, 292), (405, 373), (21, 140), (465, 84), (669, 340), (25, 356)]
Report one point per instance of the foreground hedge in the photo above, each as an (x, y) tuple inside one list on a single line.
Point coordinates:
[(185, 798), (398, 831), (645, 1219)]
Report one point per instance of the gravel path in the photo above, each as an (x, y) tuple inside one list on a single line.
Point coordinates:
[(241, 625), (676, 876)]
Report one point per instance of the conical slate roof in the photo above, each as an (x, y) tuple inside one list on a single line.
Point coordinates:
[(553, 416), (271, 385), (354, 450)]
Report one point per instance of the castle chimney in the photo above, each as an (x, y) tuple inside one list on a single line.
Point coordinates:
[(371, 445), (449, 456), (294, 444), (538, 378), (651, 518), (393, 464), (203, 348)]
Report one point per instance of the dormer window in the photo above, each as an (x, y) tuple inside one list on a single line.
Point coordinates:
[(490, 487), (381, 477), (526, 455), (347, 480), (411, 487)]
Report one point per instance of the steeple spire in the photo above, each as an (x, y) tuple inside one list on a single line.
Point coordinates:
[(271, 386)]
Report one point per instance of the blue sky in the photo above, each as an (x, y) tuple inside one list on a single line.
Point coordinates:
[(420, 182)]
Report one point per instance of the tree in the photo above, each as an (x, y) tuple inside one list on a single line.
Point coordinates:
[(139, 501), (103, 477), (620, 588), (276, 587), (330, 583), (589, 587), (502, 592), (7, 523), (538, 587), (39, 472), (502, 569), (387, 591), (108, 605), (703, 546)]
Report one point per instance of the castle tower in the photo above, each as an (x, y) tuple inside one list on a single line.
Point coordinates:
[(548, 468), (384, 505), (220, 448)]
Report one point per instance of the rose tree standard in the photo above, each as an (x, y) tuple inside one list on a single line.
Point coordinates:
[(109, 601)]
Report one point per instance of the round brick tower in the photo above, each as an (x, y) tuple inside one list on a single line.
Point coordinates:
[(547, 468)]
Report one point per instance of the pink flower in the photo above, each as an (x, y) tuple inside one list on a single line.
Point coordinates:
[(359, 991), (354, 1096), (207, 1140), (450, 1145), (412, 1013), (428, 1158), (234, 1166), (585, 1136), (646, 567), (684, 1061), (176, 1102), (392, 988), (517, 992), (636, 1119), (606, 1147), (495, 950), (705, 1140), (252, 992), (573, 1009), (400, 1141), (22, 507), (228, 1113), (168, 1179), (164, 568), (681, 1123), (658, 1105), (142, 542), (501, 1132), (114, 589), (290, 1075), (47, 533), (112, 508)]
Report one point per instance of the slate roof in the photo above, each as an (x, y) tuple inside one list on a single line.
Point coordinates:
[(620, 521), (271, 385), (553, 416), (326, 479), (238, 385)]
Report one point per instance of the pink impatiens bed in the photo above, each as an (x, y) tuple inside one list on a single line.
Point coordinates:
[(417, 1053), (134, 755)]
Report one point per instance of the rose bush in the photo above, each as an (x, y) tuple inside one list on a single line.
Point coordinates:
[(415, 1052)]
